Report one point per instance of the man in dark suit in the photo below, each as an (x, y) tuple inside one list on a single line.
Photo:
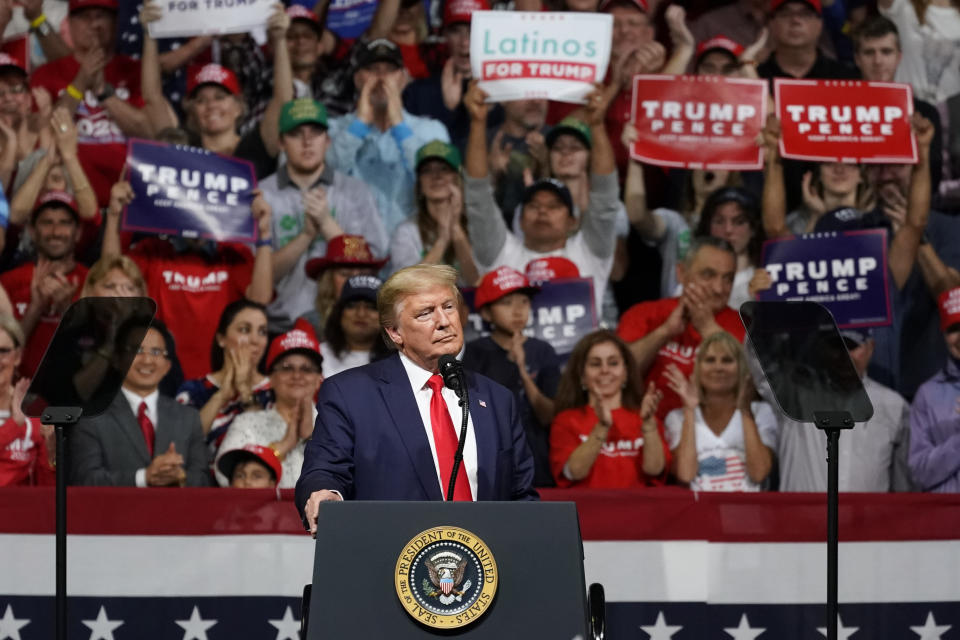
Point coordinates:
[(385, 431), (143, 439)]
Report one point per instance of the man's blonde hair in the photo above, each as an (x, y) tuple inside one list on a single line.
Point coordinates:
[(410, 281)]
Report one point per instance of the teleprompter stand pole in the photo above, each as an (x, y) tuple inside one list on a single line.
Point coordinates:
[(832, 423), (60, 418)]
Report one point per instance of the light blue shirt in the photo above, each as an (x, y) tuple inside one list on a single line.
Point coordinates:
[(385, 160)]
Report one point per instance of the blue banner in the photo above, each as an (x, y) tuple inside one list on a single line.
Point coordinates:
[(846, 272), (350, 18), (189, 192), (561, 313)]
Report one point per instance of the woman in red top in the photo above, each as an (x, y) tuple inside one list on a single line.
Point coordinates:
[(27, 448), (604, 435)]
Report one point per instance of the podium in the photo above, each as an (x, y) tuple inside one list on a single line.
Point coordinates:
[(370, 576)]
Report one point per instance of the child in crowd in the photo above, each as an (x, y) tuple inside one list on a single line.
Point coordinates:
[(527, 366), (251, 467)]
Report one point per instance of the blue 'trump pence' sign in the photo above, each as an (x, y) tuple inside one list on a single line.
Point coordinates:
[(189, 192), (844, 271)]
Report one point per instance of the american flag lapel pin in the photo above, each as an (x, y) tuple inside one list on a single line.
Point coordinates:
[(482, 404)]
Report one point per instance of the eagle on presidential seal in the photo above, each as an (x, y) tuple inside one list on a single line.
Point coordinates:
[(446, 571)]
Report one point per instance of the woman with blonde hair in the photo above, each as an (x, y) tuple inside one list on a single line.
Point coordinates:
[(722, 439), (605, 436), (27, 448), (118, 276)]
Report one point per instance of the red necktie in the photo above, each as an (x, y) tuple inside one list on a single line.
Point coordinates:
[(146, 426), (445, 439)]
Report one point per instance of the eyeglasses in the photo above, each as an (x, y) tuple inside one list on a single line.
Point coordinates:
[(16, 90), (289, 370), (155, 352)]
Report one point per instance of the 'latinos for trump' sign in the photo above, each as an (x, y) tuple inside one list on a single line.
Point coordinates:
[(189, 192), (561, 313), (698, 122), (519, 55), (845, 121), (844, 271), (199, 17)]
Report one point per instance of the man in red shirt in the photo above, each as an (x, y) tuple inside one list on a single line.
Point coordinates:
[(40, 292), (101, 88), (668, 331), (193, 279)]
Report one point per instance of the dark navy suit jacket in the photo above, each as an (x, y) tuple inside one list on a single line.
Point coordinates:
[(369, 441)]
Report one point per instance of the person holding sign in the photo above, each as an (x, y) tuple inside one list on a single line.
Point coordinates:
[(605, 435), (548, 217), (100, 89), (722, 438), (189, 277)]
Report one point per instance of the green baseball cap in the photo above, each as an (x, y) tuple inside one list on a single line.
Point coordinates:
[(572, 126), (440, 150), (302, 111)]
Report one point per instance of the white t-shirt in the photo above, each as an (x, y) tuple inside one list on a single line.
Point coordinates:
[(333, 365), (931, 51), (722, 459)]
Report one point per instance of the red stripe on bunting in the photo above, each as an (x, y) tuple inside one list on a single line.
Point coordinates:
[(654, 514)]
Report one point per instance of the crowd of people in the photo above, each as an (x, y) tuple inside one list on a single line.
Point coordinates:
[(381, 152)]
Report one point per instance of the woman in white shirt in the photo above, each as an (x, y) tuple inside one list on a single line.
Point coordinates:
[(721, 440), (352, 334)]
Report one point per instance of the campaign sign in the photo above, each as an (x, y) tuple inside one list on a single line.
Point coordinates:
[(698, 122), (526, 54), (561, 313), (844, 271), (201, 17), (349, 18), (189, 192), (845, 121)]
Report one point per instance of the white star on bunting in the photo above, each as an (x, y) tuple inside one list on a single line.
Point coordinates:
[(931, 630), (196, 627), (102, 628), (660, 630), (10, 625), (743, 631), (288, 628), (842, 632)]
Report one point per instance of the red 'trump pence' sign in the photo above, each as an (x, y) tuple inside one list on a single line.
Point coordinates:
[(845, 121), (698, 122)]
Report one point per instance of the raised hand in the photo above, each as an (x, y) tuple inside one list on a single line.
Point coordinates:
[(761, 281), (684, 387), (121, 194), (748, 392), (263, 214), (680, 35), (278, 23), (166, 469), (811, 198), (64, 132), (498, 156), (150, 12), (316, 208), (451, 84), (651, 400), (475, 103)]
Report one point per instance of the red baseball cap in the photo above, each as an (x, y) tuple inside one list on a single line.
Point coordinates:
[(500, 282), (301, 339), (300, 12), (813, 4), (949, 305), (78, 5), (266, 455), (721, 42), (606, 5), (347, 251), (212, 74), (51, 198), (6, 60), (552, 268), (455, 11)]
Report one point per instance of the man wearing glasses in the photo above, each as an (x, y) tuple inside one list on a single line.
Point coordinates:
[(143, 439)]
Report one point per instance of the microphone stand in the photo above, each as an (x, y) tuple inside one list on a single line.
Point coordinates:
[(458, 456)]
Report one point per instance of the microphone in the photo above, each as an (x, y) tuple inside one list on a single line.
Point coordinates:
[(451, 370), (452, 373)]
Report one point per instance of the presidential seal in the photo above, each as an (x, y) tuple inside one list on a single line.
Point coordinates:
[(446, 577)]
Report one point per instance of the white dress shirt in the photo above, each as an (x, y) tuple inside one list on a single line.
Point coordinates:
[(423, 393), (134, 401)]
